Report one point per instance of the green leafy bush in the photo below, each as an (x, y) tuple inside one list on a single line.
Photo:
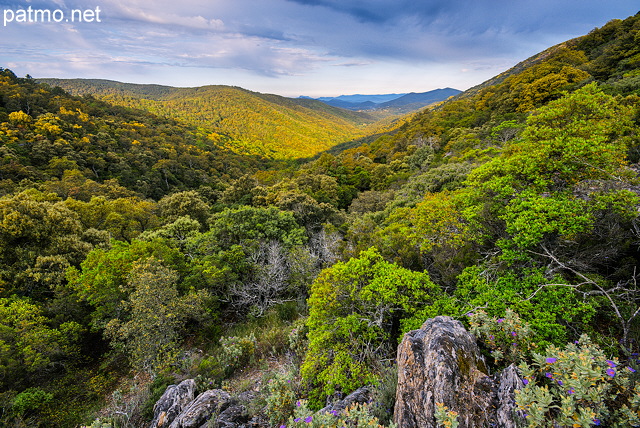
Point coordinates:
[(547, 309), (298, 342), (356, 416), (578, 387), (31, 400), (384, 395), (281, 398), (357, 310), (237, 352), (508, 337)]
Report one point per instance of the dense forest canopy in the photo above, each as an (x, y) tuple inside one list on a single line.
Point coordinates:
[(236, 119), (137, 250)]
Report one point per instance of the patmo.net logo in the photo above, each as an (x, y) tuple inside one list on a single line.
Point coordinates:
[(30, 15)]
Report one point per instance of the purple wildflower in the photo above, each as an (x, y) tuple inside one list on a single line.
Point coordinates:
[(297, 419), (571, 391), (308, 419), (549, 375), (500, 320), (283, 426), (334, 412), (513, 333), (298, 403), (560, 382), (631, 369), (596, 421), (611, 363), (525, 381), (469, 314), (611, 372), (551, 360)]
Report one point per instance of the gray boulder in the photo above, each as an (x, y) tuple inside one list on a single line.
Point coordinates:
[(360, 395), (173, 401), (232, 417), (202, 408), (441, 363), (506, 414)]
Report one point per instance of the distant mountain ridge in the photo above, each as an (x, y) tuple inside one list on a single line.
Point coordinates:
[(401, 103), (360, 98)]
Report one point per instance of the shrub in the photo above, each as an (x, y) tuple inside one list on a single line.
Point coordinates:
[(237, 352), (298, 342), (281, 398), (578, 387), (384, 395), (209, 373), (357, 310), (551, 311), (156, 389), (508, 338), (31, 400), (354, 416)]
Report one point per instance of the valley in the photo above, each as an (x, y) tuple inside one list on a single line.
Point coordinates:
[(271, 253)]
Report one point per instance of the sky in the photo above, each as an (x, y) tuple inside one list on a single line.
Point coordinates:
[(291, 47)]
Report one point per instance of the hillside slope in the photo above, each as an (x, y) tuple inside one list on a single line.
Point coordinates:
[(47, 134), (237, 119)]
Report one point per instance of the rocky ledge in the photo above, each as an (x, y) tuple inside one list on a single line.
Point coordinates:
[(439, 363)]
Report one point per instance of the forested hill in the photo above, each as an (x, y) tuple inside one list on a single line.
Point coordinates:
[(54, 139), (237, 119)]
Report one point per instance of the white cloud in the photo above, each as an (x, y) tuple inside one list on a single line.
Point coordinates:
[(290, 45)]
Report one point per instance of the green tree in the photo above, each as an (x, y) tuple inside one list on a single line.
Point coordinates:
[(123, 218), (246, 256), (39, 238), (178, 233), (552, 182), (103, 277), (578, 137), (247, 225), (357, 310), (158, 315), (30, 347), (185, 203)]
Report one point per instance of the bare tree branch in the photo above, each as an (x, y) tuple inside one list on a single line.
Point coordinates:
[(622, 291)]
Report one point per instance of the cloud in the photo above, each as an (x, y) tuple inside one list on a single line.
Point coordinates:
[(159, 14), (301, 41)]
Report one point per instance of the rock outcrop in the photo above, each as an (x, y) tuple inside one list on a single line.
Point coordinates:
[(202, 408), (441, 363), (509, 381), (174, 400), (360, 395), (232, 417)]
